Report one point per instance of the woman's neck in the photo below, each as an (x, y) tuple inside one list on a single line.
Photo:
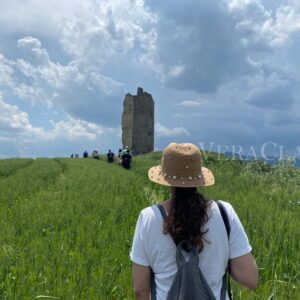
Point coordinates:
[(166, 205)]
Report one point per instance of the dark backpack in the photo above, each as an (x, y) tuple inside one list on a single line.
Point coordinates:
[(126, 160), (189, 282)]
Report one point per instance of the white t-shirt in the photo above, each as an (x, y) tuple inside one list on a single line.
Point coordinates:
[(151, 247)]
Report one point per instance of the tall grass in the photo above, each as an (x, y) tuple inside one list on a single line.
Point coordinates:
[(10, 166), (67, 225)]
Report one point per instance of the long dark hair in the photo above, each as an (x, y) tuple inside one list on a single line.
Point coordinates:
[(187, 215)]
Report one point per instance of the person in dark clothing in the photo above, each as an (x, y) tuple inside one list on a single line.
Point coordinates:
[(95, 154), (120, 151), (85, 154), (110, 156), (126, 159)]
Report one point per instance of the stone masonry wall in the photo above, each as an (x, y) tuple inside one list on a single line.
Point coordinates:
[(138, 122)]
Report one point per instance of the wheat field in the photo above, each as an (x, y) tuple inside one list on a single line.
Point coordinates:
[(67, 224)]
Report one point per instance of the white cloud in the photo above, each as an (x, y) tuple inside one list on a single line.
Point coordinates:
[(29, 42), (6, 72), (93, 35), (42, 17), (178, 115), (260, 26), (74, 130), (15, 126), (116, 28), (192, 103), (191, 51), (176, 70), (31, 92), (14, 123), (162, 131), (285, 23), (78, 90), (80, 57), (149, 59), (106, 84), (240, 4)]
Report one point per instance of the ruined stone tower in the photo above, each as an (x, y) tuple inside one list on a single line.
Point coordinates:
[(138, 122)]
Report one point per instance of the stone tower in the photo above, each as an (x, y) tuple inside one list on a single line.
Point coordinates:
[(138, 122)]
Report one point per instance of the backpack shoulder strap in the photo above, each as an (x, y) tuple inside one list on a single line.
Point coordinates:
[(226, 279), (162, 211), (224, 217), (153, 285)]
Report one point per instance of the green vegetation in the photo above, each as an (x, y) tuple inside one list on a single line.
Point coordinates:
[(10, 166), (67, 224)]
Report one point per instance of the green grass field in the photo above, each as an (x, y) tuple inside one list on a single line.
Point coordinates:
[(67, 225)]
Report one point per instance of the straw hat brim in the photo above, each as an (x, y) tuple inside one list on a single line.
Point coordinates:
[(156, 175)]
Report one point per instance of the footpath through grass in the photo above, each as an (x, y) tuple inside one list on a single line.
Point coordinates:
[(67, 225)]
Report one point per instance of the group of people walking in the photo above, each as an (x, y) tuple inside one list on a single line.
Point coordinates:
[(124, 156), (188, 246)]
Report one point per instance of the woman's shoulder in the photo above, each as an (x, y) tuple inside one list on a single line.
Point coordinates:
[(149, 218), (226, 204), (228, 207), (150, 212)]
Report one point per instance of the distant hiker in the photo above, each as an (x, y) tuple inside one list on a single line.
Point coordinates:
[(125, 151), (120, 151), (85, 154), (189, 225), (126, 159), (72, 155), (95, 154), (110, 156)]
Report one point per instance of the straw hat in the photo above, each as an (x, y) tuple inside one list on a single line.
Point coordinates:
[(181, 167)]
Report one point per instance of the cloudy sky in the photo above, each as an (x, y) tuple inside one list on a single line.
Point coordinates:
[(225, 72)]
